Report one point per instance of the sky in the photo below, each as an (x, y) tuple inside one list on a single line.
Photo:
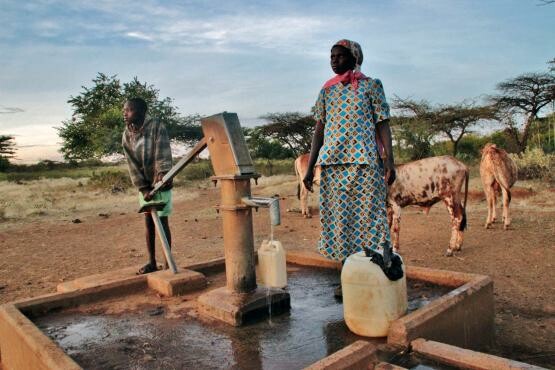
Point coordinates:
[(254, 57)]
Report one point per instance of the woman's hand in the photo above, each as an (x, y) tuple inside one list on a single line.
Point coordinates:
[(389, 169), (308, 179)]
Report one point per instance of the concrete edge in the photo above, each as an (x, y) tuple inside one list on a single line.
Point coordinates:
[(208, 267), (356, 356), (465, 358), (453, 323), (28, 347), (106, 277), (306, 258), (440, 277), (48, 302)]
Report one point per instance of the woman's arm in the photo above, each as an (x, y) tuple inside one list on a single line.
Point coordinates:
[(317, 142), (384, 135)]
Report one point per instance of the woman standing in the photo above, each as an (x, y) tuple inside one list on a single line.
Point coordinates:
[(352, 116)]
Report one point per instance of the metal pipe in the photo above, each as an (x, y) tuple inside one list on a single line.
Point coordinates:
[(271, 203), (164, 240)]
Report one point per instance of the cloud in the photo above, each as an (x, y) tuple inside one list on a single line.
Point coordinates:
[(189, 25), (139, 35), (10, 110), (232, 33)]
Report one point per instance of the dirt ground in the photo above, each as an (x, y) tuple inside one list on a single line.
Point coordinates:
[(35, 257)]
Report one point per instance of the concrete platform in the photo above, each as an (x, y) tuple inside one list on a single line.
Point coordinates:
[(237, 308), (463, 317), (169, 284)]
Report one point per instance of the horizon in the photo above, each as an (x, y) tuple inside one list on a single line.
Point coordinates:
[(253, 59)]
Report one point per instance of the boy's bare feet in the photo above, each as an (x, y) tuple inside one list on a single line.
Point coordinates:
[(148, 268)]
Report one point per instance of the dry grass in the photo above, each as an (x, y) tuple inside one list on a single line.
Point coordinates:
[(66, 199)]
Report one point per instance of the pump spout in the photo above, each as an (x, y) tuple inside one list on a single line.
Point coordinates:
[(272, 203)]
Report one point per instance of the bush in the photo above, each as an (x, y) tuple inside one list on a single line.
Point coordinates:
[(535, 164), (270, 167), (4, 164), (200, 170), (113, 181)]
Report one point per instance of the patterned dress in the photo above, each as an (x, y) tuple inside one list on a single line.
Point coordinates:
[(352, 187)]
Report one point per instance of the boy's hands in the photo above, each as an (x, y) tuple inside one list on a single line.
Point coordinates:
[(146, 191), (160, 178), (146, 194)]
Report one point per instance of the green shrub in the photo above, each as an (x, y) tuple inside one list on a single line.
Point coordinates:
[(113, 181), (200, 170), (270, 167), (534, 163)]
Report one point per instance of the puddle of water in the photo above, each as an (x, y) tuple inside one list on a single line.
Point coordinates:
[(146, 339)]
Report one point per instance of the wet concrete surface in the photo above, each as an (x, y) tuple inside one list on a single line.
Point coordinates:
[(414, 362), (149, 338)]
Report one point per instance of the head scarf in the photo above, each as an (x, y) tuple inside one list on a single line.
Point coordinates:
[(351, 76), (354, 48)]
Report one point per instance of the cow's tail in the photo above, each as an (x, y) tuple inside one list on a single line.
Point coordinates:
[(463, 221)]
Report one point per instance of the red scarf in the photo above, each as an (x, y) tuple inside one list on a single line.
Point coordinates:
[(350, 76)]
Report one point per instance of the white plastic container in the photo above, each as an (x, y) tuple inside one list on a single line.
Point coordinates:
[(370, 300), (272, 269)]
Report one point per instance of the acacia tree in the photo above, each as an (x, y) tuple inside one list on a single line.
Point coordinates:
[(420, 122), (292, 130), (412, 137), (525, 95), (455, 121), (260, 146), (7, 150), (97, 124)]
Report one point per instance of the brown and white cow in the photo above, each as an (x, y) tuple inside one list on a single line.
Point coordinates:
[(498, 172), (424, 183), (301, 165)]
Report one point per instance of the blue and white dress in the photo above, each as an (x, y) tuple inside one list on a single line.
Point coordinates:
[(352, 187)]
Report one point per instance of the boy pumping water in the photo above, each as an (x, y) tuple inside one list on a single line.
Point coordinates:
[(146, 146)]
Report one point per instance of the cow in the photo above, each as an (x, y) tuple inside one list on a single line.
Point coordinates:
[(301, 165), (424, 183), (498, 173)]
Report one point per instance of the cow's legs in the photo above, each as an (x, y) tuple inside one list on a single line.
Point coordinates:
[(456, 212), (458, 219), (490, 198), (506, 202), (394, 220), (305, 209), (495, 189)]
